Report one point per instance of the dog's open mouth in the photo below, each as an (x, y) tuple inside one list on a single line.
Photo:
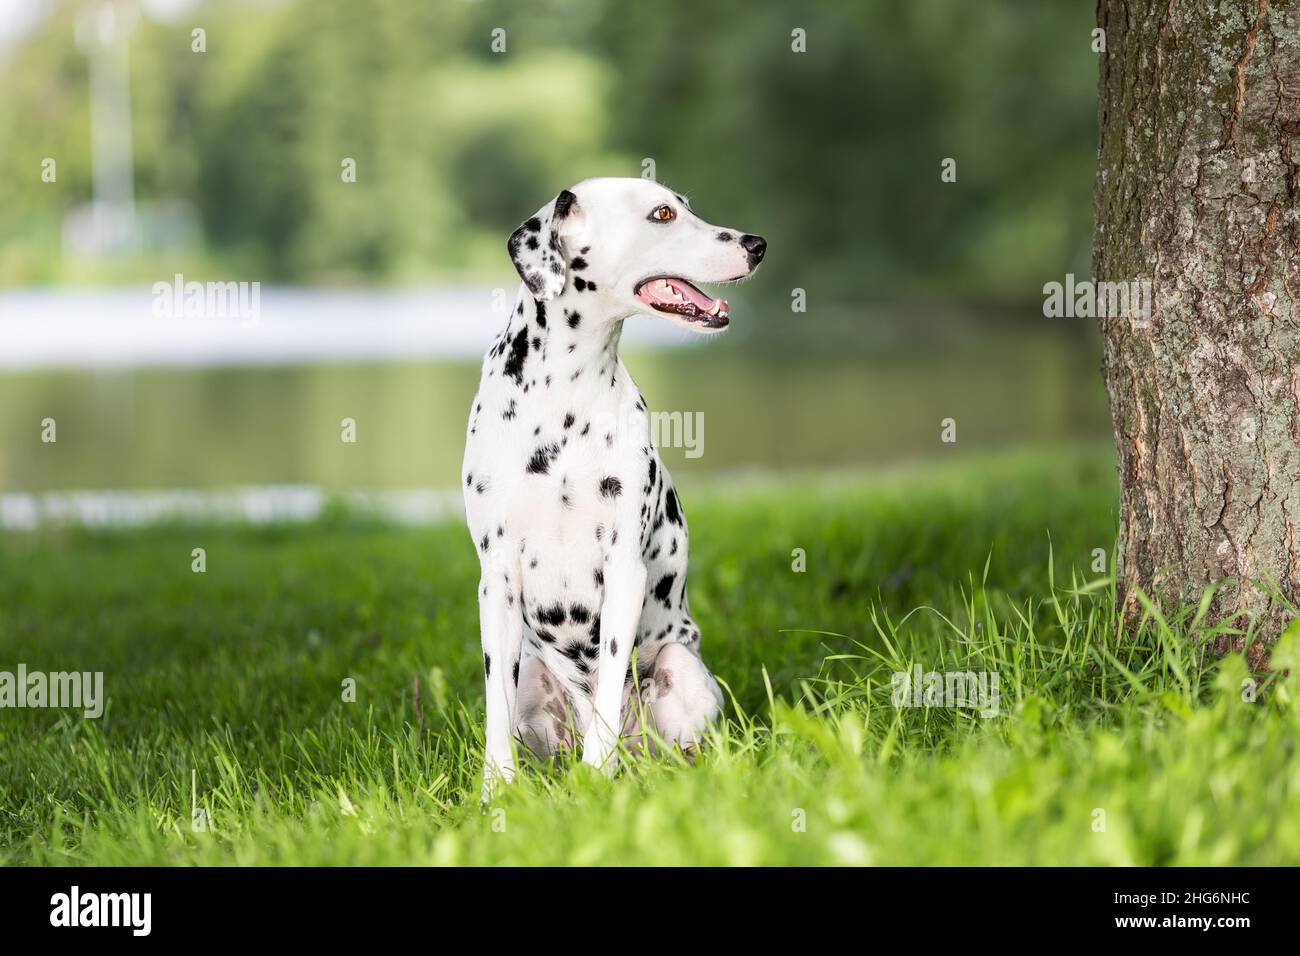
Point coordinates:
[(676, 296)]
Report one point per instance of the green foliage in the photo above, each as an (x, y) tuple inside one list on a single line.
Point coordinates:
[(834, 154), (837, 151), (235, 675)]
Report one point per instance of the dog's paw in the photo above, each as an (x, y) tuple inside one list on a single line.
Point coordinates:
[(495, 778), (600, 753)]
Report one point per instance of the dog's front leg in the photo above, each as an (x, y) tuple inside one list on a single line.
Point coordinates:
[(501, 627), (625, 577)]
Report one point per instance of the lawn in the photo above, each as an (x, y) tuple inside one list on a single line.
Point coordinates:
[(225, 691)]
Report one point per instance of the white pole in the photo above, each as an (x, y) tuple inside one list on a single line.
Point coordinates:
[(103, 28)]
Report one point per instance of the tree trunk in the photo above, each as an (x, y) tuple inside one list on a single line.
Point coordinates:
[(1198, 192)]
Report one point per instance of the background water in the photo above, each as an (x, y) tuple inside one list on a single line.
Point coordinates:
[(874, 398)]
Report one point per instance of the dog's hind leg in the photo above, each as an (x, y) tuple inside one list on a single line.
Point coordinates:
[(544, 723), (682, 696), (501, 627)]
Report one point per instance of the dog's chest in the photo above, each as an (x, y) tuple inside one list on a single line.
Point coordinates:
[(557, 469), (546, 491)]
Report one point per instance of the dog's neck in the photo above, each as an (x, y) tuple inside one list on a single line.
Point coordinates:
[(570, 345)]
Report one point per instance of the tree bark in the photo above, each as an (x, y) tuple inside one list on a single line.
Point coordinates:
[(1198, 192)]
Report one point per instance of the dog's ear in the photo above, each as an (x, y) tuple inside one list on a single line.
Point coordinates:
[(536, 247)]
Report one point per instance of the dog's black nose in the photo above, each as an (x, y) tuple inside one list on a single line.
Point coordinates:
[(755, 246)]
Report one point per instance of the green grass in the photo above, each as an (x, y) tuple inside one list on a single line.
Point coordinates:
[(977, 565)]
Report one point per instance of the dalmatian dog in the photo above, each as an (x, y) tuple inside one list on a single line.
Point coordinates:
[(580, 534)]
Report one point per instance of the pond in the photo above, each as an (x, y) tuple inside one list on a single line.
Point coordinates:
[(732, 406)]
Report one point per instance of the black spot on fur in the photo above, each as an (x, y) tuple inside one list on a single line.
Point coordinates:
[(541, 314), (599, 576), (514, 673), (533, 225), (563, 202), (664, 588), (514, 367), (611, 487), (725, 237), (569, 420), (540, 463), (670, 506), (578, 264), (579, 614), (553, 615), (487, 666), (613, 647), (483, 545), (574, 319), (580, 283), (481, 487)]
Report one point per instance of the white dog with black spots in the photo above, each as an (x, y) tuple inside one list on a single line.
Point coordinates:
[(580, 534)]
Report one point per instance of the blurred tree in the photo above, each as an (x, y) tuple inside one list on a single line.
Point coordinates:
[(835, 153)]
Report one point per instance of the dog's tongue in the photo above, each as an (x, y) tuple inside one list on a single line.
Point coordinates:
[(670, 291)]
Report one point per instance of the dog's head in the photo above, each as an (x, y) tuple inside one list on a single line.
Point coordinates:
[(636, 247)]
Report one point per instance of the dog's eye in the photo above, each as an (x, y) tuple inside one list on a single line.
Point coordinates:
[(662, 213)]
